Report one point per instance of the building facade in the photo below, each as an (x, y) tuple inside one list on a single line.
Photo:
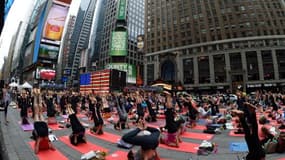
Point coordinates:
[(215, 44), (133, 24)]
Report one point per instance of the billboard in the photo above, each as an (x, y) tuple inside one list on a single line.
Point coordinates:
[(45, 73), (55, 22), (122, 10), (8, 5), (140, 43), (129, 68), (119, 43), (48, 51)]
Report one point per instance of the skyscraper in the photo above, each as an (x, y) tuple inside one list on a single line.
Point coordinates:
[(96, 35), (222, 44), (118, 27), (77, 39)]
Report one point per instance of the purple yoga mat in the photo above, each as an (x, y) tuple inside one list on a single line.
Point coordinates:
[(27, 127), (64, 116)]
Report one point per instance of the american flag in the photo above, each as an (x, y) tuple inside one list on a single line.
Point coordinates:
[(98, 81)]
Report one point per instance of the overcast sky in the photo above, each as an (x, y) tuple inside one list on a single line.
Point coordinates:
[(17, 13)]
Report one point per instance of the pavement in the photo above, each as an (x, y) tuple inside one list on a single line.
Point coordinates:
[(15, 143)]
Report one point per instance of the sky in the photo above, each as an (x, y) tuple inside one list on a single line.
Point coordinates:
[(19, 12)]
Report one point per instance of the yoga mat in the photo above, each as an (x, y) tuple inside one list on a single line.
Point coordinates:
[(200, 136), (281, 159), (238, 147), (113, 138), (232, 133), (201, 122), (183, 147), (81, 115), (199, 127), (82, 147), (48, 154), (160, 116), (54, 127), (64, 116), (27, 127), (122, 155)]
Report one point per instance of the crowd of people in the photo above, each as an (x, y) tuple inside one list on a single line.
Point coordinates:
[(180, 110)]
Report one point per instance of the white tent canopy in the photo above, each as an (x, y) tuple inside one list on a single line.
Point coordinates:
[(13, 84), (26, 85)]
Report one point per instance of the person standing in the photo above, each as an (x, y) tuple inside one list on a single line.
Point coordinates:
[(7, 100)]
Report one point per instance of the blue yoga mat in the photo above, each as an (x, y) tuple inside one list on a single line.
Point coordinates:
[(238, 147)]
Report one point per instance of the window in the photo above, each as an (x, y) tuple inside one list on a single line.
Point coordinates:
[(267, 65), (188, 71), (219, 68), (204, 69), (252, 66)]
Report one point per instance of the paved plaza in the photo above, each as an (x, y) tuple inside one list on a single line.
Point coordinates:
[(15, 143)]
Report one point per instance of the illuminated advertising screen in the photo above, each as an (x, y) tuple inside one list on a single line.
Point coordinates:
[(119, 43), (48, 51), (8, 5), (55, 22), (128, 68), (45, 73), (122, 10)]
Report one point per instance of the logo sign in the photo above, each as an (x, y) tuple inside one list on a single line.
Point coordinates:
[(128, 68), (119, 44), (140, 43), (122, 10)]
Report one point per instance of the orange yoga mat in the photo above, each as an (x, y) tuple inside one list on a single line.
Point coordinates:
[(54, 127), (48, 154), (183, 147), (113, 138), (82, 147), (199, 127), (199, 136)]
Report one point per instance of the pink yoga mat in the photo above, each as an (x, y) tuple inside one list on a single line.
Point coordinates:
[(113, 138), (48, 154), (183, 147), (82, 147), (200, 136), (122, 155)]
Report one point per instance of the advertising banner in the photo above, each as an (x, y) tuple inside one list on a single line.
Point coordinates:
[(129, 68), (45, 73), (55, 22), (119, 43), (140, 43), (48, 51), (122, 10)]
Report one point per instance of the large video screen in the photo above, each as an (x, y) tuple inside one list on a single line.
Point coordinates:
[(48, 51), (119, 43), (55, 22)]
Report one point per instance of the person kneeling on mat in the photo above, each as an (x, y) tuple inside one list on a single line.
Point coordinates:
[(40, 135), (78, 131), (147, 138)]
